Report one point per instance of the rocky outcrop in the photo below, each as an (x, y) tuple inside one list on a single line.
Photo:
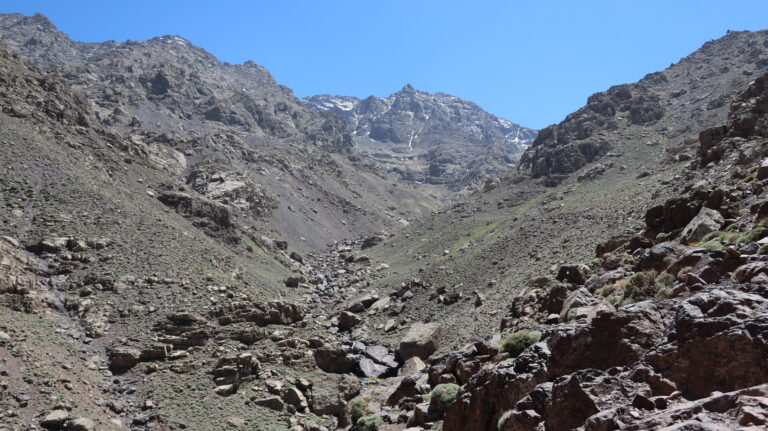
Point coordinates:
[(223, 183), (204, 213), (260, 313)]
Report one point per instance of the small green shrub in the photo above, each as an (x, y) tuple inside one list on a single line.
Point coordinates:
[(753, 235), (642, 280), (442, 396), (358, 409), (515, 343), (614, 300), (662, 236), (571, 314), (731, 227), (664, 293), (640, 286), (370, 422), (666, 280), (712, 245), (721, 236), (763, 250)]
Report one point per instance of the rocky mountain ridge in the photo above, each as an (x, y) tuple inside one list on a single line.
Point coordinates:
[(191, 113), (430, 138), (662, 107)]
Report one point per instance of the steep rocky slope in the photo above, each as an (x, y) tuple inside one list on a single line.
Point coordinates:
[(661, 109), (430, 138), (229, 125), (665, 328), (521, 224)]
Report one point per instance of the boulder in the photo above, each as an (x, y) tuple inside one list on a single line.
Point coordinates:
[(660, 256), (294, 281), (295, 398), (369, 368), (362, 302), (746, 273), (577, 299), (762, 171), (215, 215), (717, 343), (372, 240), (422, 339), (707, 221), (381, 355), (576, 274), (272, 403), (123, 358), (81, 424), (411, 366), (334, 358), (55, 419), (348, 320), (331, 393)]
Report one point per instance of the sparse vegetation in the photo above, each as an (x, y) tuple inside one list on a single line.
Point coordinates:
[(442, 396), (369, 423), (712, 245), (736, 237), (358, 409), (644, 285), (515, 343)]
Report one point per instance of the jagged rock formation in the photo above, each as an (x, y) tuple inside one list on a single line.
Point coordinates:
[(662, 107), (430, 138)]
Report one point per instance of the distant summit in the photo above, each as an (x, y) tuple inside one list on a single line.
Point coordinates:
[(431, 138)]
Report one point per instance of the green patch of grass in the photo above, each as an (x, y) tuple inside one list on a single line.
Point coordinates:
[(753, 235), (358, 409), (442, 396), (474, 233), (644, 285), (736, 237), (722, 236), (712, 245), (370, 422), (515, 343)]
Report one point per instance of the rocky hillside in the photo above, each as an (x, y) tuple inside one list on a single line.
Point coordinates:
[(430, 138), (230, 132), (661, 109), (663, 329)]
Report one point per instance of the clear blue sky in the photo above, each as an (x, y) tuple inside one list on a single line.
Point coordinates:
[(532, 62)]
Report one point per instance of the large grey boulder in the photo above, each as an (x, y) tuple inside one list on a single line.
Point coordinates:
[(707, 221), (421, 340)]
